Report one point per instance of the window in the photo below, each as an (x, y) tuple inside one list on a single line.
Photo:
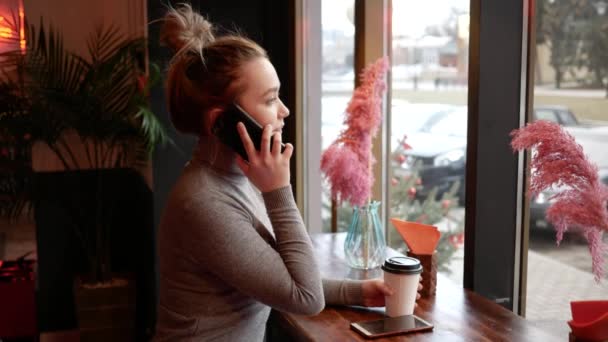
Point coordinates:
[(337, 84), (429, 123), (571, 80)]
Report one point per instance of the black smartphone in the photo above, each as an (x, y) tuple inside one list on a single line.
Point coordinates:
[(391, 326), (225, 129)]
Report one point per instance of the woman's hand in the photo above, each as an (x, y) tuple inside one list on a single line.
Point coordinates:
[(268, 169), (374, 290)]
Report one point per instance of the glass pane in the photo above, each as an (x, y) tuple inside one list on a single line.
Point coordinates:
[(429, 123), (338, 79), (571, 88)]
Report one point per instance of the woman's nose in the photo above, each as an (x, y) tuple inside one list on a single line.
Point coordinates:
[(284, 112)]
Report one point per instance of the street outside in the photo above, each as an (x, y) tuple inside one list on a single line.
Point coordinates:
[(572, 251)]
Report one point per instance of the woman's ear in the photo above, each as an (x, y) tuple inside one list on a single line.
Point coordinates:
[(210, 118)]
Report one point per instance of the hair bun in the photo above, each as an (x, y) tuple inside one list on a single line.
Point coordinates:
[(185, 30)]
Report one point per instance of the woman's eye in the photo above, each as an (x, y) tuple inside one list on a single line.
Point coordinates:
[(270, 101)]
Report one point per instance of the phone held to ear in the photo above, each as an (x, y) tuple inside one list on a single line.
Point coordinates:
[(225, 129), (391, 326)]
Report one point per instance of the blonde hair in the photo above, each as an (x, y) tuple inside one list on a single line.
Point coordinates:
[(205, 70)]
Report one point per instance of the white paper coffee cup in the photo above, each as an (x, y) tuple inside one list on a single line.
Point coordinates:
[(402, 275)]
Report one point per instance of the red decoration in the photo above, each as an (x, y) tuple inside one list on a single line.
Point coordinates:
[(418, 181), (445, 204), (394, 181), (456, 240), (411, 192), (400, 159)]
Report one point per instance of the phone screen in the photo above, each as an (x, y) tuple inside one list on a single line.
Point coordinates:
[(225, 129), (391, 326)]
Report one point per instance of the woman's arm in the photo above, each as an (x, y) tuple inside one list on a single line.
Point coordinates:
[(226, 244), (370, 292)]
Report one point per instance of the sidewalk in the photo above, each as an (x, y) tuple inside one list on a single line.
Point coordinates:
[(552, 285)]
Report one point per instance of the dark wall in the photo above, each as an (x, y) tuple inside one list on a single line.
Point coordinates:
[(268, 22)]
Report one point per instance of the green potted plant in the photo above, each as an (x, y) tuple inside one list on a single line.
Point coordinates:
[(91, 111)]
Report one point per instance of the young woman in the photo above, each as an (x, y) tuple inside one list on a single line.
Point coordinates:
[(232, 243)]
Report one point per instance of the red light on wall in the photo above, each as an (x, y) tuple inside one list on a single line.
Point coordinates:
[(21, 27), (13, 32), (5, 32)]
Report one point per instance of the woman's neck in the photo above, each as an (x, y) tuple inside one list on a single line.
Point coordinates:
[(211, 151)]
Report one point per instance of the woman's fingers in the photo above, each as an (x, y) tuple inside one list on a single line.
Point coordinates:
[(288, 151), (265, 145), (387, 291), (276, 144)]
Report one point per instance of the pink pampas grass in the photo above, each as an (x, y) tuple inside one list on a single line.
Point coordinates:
[(559, 161), (347, 161)]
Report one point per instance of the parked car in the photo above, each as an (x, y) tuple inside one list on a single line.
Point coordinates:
[(439, 147), (559, 114), (438, 152), (540, 203), (406, 118)]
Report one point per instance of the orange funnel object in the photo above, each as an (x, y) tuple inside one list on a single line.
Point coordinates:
[(419, 238)]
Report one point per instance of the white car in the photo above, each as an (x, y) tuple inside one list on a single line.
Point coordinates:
[(406, 118)]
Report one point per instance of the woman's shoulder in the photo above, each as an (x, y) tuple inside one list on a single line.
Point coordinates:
[(202, 194)]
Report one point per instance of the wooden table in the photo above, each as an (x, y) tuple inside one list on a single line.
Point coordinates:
[(456, 313)]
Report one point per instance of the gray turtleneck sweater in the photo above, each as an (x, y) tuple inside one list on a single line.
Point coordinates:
[(229, 253)]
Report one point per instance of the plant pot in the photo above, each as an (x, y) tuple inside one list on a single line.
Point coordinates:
[(61, 256), (106, 312)]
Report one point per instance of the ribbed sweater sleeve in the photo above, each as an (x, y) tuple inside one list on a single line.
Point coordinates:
[(342, 292), (336, 291), (286, 278)]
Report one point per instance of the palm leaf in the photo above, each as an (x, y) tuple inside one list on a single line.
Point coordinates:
[(49, 90), (152, 129)]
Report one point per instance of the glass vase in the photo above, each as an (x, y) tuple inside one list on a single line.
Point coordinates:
[(365, 245)]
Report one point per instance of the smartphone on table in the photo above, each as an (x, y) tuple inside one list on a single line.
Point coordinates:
[(391, 326), (225, 129)]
